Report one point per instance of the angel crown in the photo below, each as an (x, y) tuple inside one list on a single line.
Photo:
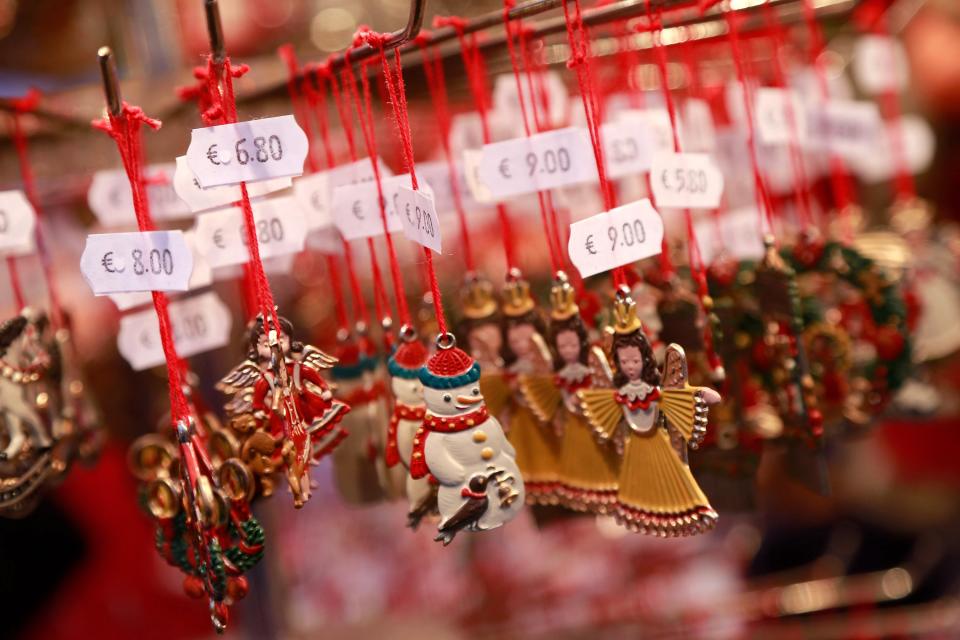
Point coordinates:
[(625, 318)]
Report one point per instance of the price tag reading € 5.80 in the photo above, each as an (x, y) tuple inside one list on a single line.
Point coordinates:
[(200, 323), (686, 180), (542, 161), (280, 226), (247, 151), (419, 218), (137, 261), (614, 238), (17, 223)]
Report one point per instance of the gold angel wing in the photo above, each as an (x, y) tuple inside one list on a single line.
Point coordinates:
[(242, 376), (317, 358), (496, 392), (542, 394), (686, 410), (674, 367), (240, 404), (541, 354), (600, 367), (602, 411)]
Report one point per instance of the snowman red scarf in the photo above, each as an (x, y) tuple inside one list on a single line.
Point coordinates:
[(441, 424)]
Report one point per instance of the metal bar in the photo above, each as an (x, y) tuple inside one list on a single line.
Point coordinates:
[(111, 88), (215, 29)]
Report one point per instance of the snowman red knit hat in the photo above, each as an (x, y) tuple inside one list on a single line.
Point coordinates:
[(449, 368), (407, 360)]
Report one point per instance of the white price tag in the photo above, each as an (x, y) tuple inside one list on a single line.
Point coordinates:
[(657, 122), (740, 235), (686, 181), (917, 145), (201, 323), (280, 226), (198, 199), (846, 127), (540, 162), (880, 64), (202, 276), (247, 151), (18, 222), (137, 261), (356, 212), (471, 172), (699, 132), (779, 116), (327, 241), (315, 192), (419, 218), (552, 100), (627, 148), (111, 200), (614, 238)]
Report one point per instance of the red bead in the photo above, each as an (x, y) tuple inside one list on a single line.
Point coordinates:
[(237, 588), (193, 587)]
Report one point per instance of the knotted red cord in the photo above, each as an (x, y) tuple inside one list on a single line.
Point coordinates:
[(300, 110), (317, 98), (125, 130), (437, 86), (476, 80), (398, 102), (580, 56)]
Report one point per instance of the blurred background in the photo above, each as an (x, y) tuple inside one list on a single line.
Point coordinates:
[(877, 557)]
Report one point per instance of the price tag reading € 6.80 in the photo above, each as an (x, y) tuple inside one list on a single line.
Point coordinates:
[(17, 223), (419, 218), (247, 151), (686, 180), (614, 238), (542, 161), (137, 261), (200, 323), (280, 226)]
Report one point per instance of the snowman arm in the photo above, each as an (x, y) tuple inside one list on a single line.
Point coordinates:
[(443, 466)]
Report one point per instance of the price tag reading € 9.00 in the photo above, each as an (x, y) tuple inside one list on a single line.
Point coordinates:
[(280, 226), (686, 180), (419, 218), (137, 261), (200, 323), (247, 151), (614, 238), (356, 212), (542, 161), (17, 223)]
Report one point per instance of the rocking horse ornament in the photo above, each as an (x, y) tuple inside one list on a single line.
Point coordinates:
[(658, 416), (278, 390)]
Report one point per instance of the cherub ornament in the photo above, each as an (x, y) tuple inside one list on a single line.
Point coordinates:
[(588, 469), (406, 419), (279, 391), (463, 447), (657, 417)]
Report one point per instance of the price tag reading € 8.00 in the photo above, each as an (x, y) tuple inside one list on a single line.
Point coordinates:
[(200, 323), (137, 261), (247, 151), (280, 227), (419, 218), (542, 161), (614, 238), (686, 180), (17, 223)]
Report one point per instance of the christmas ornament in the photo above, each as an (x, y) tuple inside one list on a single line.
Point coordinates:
[(463, 447), (587, 469), (658, 416)]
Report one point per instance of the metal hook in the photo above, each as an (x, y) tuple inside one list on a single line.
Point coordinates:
[(111, 88), (396, 39), (215, 30)]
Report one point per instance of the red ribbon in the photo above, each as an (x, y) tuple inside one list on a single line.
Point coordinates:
[(639, 403), (440, 424), (400, 412)]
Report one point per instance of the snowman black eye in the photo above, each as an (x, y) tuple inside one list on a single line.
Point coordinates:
[(447, 397), (476, 391)]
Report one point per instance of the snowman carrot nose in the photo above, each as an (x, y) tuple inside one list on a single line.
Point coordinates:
[(469, 399)]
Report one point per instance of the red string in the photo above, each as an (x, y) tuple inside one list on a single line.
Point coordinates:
[(300, 111), (125, 130), (398, 102), (476, 79), (437, 86), (318, 101)]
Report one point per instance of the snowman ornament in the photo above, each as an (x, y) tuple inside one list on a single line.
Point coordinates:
[(463, 448)]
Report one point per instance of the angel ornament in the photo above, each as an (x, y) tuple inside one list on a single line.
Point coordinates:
[(658, 417), (278, 390), (588, 468)]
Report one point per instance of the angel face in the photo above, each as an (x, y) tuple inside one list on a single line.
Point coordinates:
[(453, 402), (263, 345), (407, 391), (630, 362), (484, 339), (568, 346), (520, 340)]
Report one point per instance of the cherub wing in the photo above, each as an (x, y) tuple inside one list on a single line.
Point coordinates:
[(317, 358), (602, 411), (686, 408), (600, 367), (242, 376), (542, 394), (496, 392)]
